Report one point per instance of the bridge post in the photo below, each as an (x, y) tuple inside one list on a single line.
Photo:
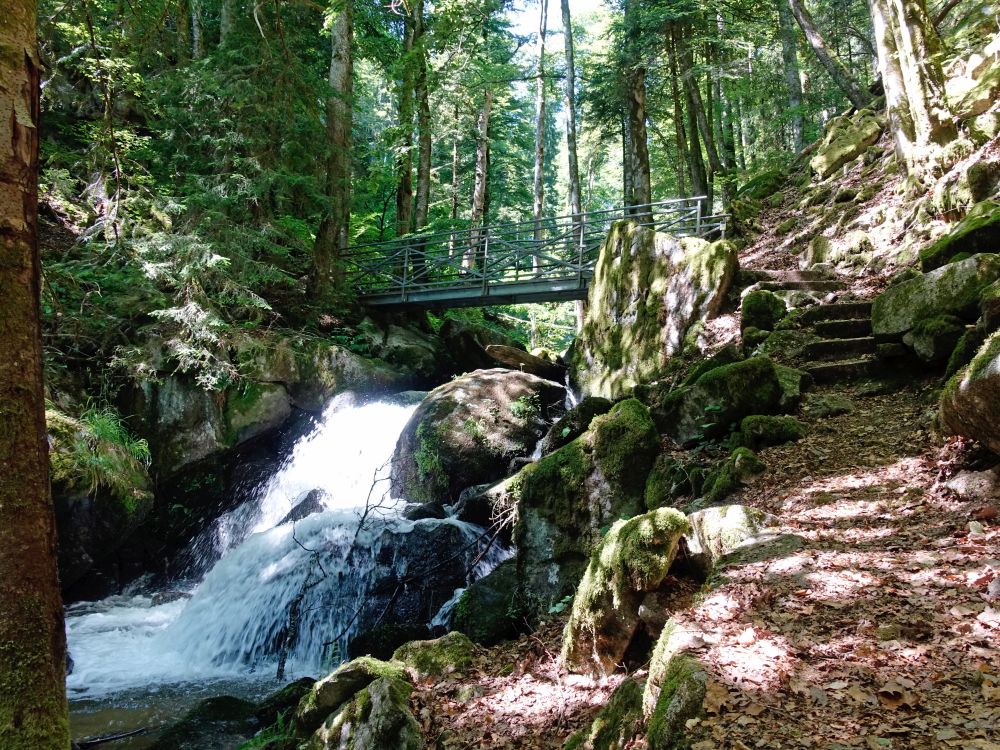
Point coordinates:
[(697, 219), (406, 269)]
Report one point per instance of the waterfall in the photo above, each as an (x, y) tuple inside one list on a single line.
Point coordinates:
[(339, 568)]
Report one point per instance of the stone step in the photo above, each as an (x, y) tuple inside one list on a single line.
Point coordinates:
[(823, 285), (838, 311), (839, 348), (788, 274), (844, 329), (843, 370)]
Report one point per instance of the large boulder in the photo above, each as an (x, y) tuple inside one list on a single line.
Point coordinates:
[(377, 718), (846, 138), (438, 657), (978, 232), (468, 431), (487, 610), (223, 721), (720, 398), (327, 695), (631, 560), (648, 290), (570, 495), (970, 402), (574, 423), (954, 289)]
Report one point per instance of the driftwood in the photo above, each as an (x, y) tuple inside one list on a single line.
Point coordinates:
[(91, 742), (518, 359)]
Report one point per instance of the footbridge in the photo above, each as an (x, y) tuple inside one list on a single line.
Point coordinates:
[(501, 264)]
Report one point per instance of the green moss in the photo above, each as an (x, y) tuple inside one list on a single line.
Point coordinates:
[(449, 653), (763, 185), (434, 480), (680, 700), (727, 477), (616, 724), (489, 610), (762, 309), (625, 442), (727, 355), (978, 232), (670, 479), (759, 431), (964, 351), (786, 226)]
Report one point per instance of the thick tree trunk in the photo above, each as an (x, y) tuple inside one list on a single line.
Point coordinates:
[(908, 50), (793, 79), (638, 140), (333, 233), (33, 711), (683, 153), (834, 67), (423, 203), (538, 185), (479, 185)]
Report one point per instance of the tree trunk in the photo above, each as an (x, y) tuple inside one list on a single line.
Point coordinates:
[(404, 162), (196, 46), (333, 233), (575, 197), (454, 185), (638, 140), (793, 79), (33, 710), (478, 214), (908, 50), (538, 187), (227, 17), (422, 209), (683, 153), (834, 67)]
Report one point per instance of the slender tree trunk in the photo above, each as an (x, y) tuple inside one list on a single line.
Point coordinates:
[(701, 185), (746, 158), (683, 153), (227, 17), (701, 125), (908, 49), (834, 67), (454, 185), (33, 711), (333, 233), (196, 45), (479, 186), (793, 79), (628, 175), (538, 191), (422, 209), (404, 162), (575, 200)]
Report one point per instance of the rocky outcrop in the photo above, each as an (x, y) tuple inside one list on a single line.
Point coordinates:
[(574, 423), (648, 291), (568, 496), (377, 718), (631, 560), (970, 402), (846, 138), (952, 290), (518, 359), (978, 232), (720, 398), (328, 694), (468, 431)]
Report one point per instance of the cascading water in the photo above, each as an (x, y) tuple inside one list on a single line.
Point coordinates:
[(339, 570)]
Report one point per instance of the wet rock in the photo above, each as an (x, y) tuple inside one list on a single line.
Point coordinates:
[(310, 502), (631, 560), (649, 291), (574, 423), (216, 722), (488, 609), (518, 359), (466, 433)]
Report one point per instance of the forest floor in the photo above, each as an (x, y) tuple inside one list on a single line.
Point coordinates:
[(881, 631)]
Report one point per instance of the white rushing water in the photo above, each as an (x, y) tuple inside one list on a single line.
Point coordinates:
[(233, 622)]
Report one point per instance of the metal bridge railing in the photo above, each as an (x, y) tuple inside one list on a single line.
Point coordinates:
[(520, 260)]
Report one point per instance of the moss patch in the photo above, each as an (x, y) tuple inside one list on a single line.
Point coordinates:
[(762, 309), (759, 431), (616, 724), (449, 653)]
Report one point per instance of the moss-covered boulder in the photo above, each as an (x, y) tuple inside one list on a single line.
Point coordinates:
[(568, 496), (338, 687), (970, 402), (466, 433), (716, 532), (763, 185), (382, 640), (574, 422), (954, 289), (761, 430), (631, 560), (846, 138), (762, 309), (727, 355), (452, 652), (679, 700), (672, 478), (978, 232), (616, 724), (255, 408), (488, 611), (934, 339), (726, 478), (648, 290), (377, 718), (721, 398)]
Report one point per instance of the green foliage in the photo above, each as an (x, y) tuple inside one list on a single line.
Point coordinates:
[(527, 407)]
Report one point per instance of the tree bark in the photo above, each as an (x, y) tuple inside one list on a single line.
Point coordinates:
[(793, 80), (908, 48), (538, 186), (834, 67), (575, 197), (479, 197), (404, 161), (33, 710), (332, 237), (227, 17), (638, 140), (683, 153), (422, 209), (196, 46)]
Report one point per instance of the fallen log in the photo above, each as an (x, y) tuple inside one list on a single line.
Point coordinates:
[(518, 359)]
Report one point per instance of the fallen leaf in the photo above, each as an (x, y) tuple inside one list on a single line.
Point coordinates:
[(836, 685), (716, 696), (893, 695)]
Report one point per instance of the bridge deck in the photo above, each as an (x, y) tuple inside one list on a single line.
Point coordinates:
[(508, 263)]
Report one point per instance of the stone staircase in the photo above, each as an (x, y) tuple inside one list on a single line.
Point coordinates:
[(846, 349)]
